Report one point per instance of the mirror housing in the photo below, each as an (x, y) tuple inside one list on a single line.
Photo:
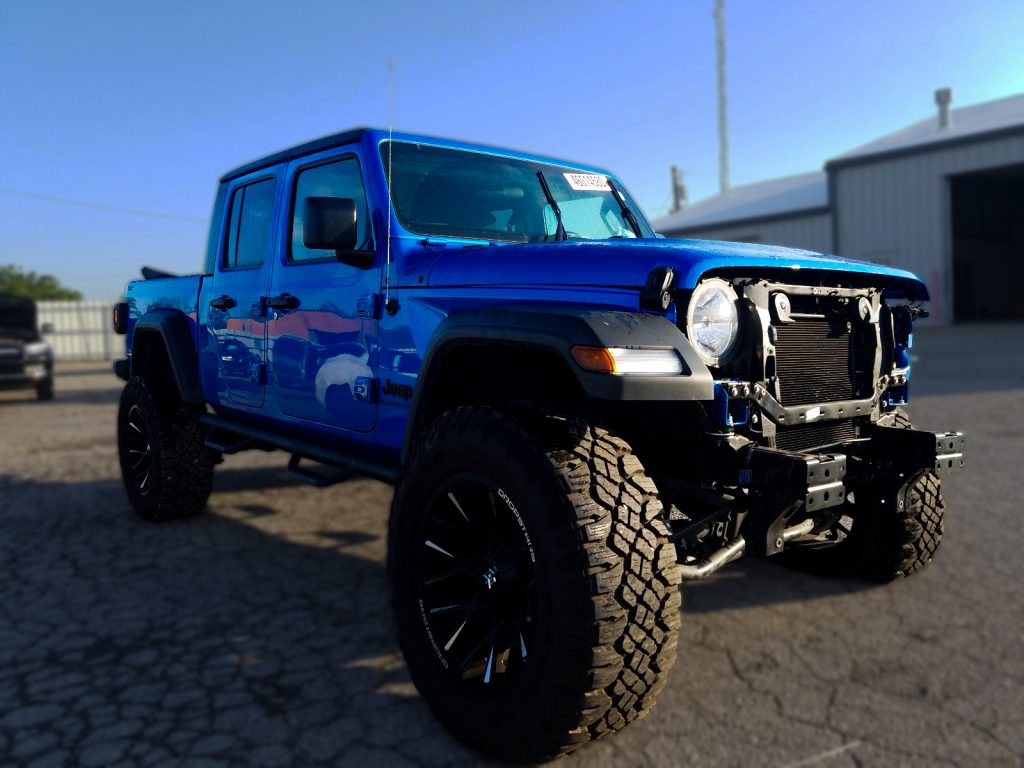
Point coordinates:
[(329, 223), (47, 328)]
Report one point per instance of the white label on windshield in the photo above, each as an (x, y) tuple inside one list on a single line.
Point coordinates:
[(587, 182)]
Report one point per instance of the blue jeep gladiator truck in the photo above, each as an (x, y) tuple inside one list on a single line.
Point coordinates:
[(576, 413)]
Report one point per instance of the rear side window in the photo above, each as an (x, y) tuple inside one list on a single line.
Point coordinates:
[(249, 225), (338, 179)]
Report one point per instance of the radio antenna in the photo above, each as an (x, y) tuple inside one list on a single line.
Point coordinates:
[(387, 258)]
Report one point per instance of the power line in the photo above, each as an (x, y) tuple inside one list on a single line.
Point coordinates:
[(100, 206)]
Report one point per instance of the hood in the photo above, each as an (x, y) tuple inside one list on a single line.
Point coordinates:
[(17, 317), (627, 263)]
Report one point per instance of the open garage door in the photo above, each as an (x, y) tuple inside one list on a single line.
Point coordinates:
[(988, 244)]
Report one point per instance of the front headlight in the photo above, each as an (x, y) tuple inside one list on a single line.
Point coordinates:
[(712, 321), (36, 349)]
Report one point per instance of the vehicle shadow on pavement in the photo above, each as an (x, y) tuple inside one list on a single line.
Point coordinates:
[(204, 638), (213, 638)]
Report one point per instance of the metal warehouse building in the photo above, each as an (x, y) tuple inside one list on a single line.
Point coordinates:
[(943, 198)]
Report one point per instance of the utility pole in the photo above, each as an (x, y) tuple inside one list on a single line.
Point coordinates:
[(723, 125), (680, 198)]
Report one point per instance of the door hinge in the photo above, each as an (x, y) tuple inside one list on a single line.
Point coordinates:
[(368, 306)]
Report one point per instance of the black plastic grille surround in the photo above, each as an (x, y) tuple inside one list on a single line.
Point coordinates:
[(813, 361)]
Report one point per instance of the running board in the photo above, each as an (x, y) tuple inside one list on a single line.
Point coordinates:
[(249, 436), (228, 442), (314, 478)]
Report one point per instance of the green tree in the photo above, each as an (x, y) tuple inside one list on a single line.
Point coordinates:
[(15, 281)]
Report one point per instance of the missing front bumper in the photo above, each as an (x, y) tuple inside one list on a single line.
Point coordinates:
[(792, 496)]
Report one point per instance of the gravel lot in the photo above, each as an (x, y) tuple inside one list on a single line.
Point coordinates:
[(260, 634)]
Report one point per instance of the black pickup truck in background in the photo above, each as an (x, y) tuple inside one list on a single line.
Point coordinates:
[(26, 360)]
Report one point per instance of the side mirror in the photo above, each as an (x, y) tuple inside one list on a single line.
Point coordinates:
[(46, 329), (329, 223)]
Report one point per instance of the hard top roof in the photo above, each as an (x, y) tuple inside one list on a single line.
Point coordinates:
[(356, 134)]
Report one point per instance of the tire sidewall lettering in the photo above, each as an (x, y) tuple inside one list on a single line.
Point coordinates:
[(519, 520)]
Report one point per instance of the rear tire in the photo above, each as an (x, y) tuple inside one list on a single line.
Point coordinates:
[(166, 467), (565, 545)]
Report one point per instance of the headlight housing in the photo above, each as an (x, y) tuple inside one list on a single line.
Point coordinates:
[(36, 349), (712, 321)]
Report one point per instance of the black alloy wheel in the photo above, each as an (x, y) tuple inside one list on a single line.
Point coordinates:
[(476, 573), (139, 467), (166, 466)]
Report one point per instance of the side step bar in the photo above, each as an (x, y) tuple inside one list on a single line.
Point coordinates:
[(314, 478), (250, 436)]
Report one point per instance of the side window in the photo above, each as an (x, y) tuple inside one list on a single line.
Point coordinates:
[(338, 179), (249, 225)]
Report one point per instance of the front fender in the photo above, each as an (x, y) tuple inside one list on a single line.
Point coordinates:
[(557, 330)]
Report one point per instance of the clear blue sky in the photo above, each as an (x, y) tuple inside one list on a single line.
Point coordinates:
[(142, 105)]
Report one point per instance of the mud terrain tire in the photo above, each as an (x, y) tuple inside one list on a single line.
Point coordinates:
[(166, 467), (596, 584), (885, 544)]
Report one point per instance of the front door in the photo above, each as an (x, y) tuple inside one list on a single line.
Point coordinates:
[(322, 334), (235, 310)]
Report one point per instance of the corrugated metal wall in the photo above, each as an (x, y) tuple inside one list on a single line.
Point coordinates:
[(898, 211), (81, 329), (813, 232)]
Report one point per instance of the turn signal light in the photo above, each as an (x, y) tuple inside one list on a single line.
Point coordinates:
[(597, 359)]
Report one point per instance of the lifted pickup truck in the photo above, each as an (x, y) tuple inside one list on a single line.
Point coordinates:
[(577, 414)]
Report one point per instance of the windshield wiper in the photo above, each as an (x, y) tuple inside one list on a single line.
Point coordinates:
[(560, 230), (627, 214)]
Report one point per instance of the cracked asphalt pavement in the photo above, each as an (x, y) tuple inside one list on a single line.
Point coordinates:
[(260, 634)]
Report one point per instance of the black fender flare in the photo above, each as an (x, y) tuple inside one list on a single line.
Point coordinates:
[(173, 328), (557, 329)]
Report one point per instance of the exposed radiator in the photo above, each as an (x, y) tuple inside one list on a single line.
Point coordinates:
[(812, 361)]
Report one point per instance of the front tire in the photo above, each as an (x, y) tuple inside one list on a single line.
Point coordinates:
[(166, 467), (534, 587), (885, 544), (44, 391)]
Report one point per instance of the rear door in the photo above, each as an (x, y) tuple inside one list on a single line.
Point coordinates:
[(323, 333), (235, 312)]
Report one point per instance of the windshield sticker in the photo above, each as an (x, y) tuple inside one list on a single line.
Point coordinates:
[(587, 182)]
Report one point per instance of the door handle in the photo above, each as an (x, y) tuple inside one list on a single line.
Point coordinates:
[(224, 302), (285, 301)]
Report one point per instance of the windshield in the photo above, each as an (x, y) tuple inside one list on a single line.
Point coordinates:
[(459, 193)]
